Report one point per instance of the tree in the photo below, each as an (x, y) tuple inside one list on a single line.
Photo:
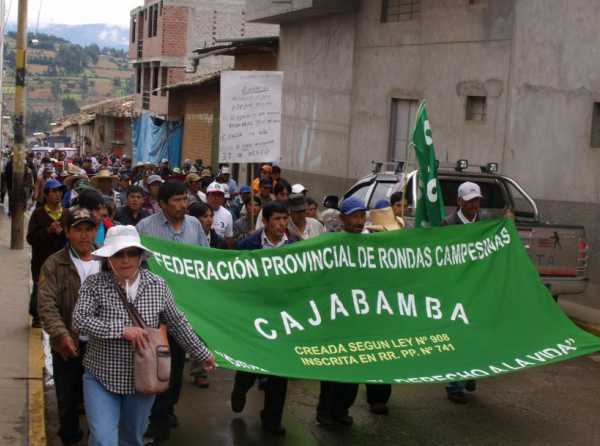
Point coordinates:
[(38, 121), (93, 52), (55, 87), (84, 86), (70, 106)]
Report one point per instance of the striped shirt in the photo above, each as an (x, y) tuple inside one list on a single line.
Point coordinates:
[(158, 226)]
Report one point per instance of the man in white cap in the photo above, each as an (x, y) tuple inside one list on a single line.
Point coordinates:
[(469, 207), (222, 219), (225, 178)]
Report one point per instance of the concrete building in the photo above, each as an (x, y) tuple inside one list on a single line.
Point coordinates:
[(511, 81), (164, 34)]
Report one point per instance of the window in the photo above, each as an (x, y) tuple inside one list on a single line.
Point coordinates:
[(595, 143), (155, 71), (138, 79), (133, 28), (476, 108), (400, 10), (155, 16), (401, 123), (163, 80), (153, 20), (118, 130)]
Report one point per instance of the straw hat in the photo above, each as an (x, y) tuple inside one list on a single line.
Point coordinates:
[(102, 174), (119, 238), (384, 220), (74, 173)]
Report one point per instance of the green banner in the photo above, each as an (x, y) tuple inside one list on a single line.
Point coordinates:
[(426, 305), (430, 203)]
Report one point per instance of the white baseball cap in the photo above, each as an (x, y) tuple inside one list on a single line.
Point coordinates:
[(225, 170), (217, 187), (467, 191), (298, 189)]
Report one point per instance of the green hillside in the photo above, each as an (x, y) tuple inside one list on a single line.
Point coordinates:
[(62, 77)]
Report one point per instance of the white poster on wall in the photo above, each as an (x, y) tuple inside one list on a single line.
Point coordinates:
[(250, 121)]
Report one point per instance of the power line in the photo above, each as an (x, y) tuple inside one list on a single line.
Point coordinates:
[(7, 15), (37, 26)]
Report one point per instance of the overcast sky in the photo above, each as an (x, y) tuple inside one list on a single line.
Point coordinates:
[(76, 12)]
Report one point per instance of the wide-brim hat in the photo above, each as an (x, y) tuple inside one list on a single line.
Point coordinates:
[(75, 173), (119, 238), (103, 174), (384, 220)]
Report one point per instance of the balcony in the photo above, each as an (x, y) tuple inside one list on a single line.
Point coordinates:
[(285, 11)]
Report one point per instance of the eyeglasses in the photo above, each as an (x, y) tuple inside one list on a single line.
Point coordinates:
[(130, 253)]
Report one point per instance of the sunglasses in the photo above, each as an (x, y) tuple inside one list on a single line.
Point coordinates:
[(130, 253)]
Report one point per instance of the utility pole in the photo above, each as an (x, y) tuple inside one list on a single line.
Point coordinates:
[(19, 198), (2, 31)]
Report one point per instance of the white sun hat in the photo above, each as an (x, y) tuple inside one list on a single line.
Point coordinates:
[(119, 238)]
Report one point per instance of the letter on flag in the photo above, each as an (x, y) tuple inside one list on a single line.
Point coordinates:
[(430, 204)]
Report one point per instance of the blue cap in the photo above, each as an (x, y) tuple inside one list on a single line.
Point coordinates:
[(245, 190), (383, 203), (54, 184), (351, 205)]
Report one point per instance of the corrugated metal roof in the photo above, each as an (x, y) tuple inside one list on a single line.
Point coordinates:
[(117, 107), (194, 82)]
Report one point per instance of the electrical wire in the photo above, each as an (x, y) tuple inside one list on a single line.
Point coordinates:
[(37, 26), (7, 15)]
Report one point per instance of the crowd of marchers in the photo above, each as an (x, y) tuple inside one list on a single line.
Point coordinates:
[(89, 269)]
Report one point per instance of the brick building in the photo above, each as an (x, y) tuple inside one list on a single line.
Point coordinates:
[(197, 101), (163, 34), (101, 127)]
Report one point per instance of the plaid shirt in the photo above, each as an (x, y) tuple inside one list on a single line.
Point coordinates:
[(101, 315)]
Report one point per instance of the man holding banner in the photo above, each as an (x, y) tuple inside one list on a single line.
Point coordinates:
[(336, 398), (275, 221)]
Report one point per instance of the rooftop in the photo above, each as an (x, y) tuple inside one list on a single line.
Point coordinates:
[(235, 47)]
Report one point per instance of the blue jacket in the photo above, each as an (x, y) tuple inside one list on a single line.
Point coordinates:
[(254, 241)]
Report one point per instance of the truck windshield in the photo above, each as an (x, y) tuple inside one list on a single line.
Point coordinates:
[(386, 189), (522, 207)]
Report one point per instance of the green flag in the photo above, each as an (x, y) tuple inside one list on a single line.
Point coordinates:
[(430, 204), (426, 305)]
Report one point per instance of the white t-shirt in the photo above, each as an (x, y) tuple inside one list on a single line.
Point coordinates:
[(85, 268), (313, 228), (223, 223)]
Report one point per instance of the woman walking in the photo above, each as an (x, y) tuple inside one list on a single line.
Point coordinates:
[(117, 414)]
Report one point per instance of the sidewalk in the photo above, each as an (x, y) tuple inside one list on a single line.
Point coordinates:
[(14, 340)]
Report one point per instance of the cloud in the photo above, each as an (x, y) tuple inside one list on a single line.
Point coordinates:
[(77, 12)]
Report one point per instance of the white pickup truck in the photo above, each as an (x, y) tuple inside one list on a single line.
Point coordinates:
[(560, 252)]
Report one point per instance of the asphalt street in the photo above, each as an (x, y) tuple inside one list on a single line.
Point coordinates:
[(550, 405)]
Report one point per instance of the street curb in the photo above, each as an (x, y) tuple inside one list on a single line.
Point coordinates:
[(35, 390)]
